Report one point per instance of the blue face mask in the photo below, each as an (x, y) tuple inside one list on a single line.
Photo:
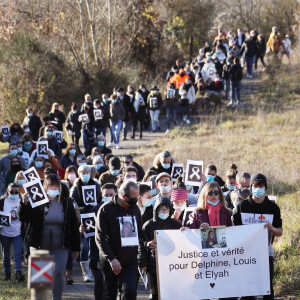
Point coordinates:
[(85, 178), (231, 187), (49, 133), (13, 152), (38, 164), (21, 182), (166, 166), (114, 101), (72, 151), (82, 164), (258, 192), (30, 114), (27, 146), (13, 197), (20, 150), (105, 100), (212, 203), (210, 178), (105, 199), (53, 193), (101, 143), (99, 166), (148, 202), (163, 216), (154, 192), (114, 172)]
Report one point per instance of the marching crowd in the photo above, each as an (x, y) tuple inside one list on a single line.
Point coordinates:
[(131, 202)]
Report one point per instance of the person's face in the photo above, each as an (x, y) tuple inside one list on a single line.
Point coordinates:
[(127, 162), (53, 187), (210, 172), (73, 147), (13, 147), (146, 196), (130, 174), (166, 160), (179, 202), (49, 130), (258, 185), (245, 184), (215, 195), (127, 228), (211, 235), (14, 191), (163, 209), (231, 181), (133, 194), (164, 181), (83, 173), (15, 162), (30, 111), (108, 193), (56, 107), (39, 159), (80, 161)]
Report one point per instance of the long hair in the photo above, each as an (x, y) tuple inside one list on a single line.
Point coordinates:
[(52, 180), (201, 204), (160, 156), (53, 106)]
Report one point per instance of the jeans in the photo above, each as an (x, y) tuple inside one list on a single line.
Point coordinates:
[(84, 249), (98, 287), (154, 118), (235, 87), (116, 129), (171, 112), (86, 142), (126, 279), (261, 57), (69, 264), (250, 61), (226, 87), (186, 111), (125, 129), (99, 131), (17, 242)]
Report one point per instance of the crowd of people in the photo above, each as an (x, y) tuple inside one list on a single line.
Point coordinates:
[(131, 202)]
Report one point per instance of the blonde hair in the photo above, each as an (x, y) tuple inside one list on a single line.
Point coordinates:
[(201, 203), (53, 106), (160, 157)]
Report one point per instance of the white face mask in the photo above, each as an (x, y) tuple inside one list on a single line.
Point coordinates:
[(165, 189), (130, 179), (182, 207), (72, 176)]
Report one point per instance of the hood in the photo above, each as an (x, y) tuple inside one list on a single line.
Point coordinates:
[(162, 200)]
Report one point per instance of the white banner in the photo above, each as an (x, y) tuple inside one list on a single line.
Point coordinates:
[(215, 263)]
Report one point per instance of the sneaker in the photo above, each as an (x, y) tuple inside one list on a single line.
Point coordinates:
[(124, 139), (167, 131), (188, 122), (255, 71), (158, 128), (230, 103), (110, 144), (117, 146), (20, 276), (7, 276)]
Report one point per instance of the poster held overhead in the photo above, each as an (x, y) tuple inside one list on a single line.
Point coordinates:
[(59, 136), (42, 149), (177, 171), (89, 222), (194, 170), (36, 192), (89, 195), (31, 174)]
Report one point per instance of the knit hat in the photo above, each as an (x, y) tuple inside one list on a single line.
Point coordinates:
[(114, 163), (258, 177), (163, 174), (179, 194)]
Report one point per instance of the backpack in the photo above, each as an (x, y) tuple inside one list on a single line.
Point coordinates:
[(275, 44)]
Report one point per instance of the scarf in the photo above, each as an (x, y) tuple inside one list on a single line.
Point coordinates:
[(213, 214)]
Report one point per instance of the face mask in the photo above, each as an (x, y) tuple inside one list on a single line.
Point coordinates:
[(130, 179), (105, 100), (27, 146), (114, 101), (38, 164), (30, 114), (143, 90), (154, 192), (114, 172), (231, 187), (212, 203), (72, 176), (72, 151), (189, 187), (101, 143), (85, 178), (182, 207), (49, 133), (163, 216), (154, 91), (14, 152), (131, 201), (210, 178), (27, 130), (165, 189), (53, 193), (82, 164), (13, 197), (99, 166), (148, 202), (21, 181), (166, 166), (105, 199), (258, 192), (235, 204)]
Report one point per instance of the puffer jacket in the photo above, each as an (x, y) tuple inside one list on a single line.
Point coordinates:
[(117, 111)]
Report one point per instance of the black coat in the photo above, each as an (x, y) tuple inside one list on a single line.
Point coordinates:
[(34, 124), (104, 122), (128, 107), (35, 219), (73, 124)]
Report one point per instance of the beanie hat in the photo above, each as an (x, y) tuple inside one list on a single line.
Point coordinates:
[(258, 177), (163, 174), (179, 194), (114, 163)]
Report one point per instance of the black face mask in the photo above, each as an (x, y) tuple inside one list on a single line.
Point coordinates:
[(131, 201)]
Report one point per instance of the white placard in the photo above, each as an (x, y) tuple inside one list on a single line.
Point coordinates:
[(188, 271), (84, 118), (149, 183), (186, 216), (89, 195), (5, 131), (5, 218), (89, 222), (272, 198), (98, 114), (194, 168), (177, 171), (42, 149), (31, 174), (59, 135), (37, 193), (128, 231)]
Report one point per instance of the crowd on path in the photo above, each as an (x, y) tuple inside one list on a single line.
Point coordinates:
[(128, 201)]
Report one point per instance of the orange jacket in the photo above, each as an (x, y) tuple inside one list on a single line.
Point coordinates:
[(178, 80)]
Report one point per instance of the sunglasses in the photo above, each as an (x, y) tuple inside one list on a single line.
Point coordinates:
[(216, 193), (14, 193), (127, 162)]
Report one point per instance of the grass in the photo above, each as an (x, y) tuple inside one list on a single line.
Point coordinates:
[(264, 138)]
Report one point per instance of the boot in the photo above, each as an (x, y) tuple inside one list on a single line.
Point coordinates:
[(20, 276), (69, 278), (86, 272), (7, 276)]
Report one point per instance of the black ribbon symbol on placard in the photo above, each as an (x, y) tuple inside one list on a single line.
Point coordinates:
[(178, 172), (195, 171), (4, 221), (31, 176), (35, 193), (43, 149), (89, 224), (89, 195)]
